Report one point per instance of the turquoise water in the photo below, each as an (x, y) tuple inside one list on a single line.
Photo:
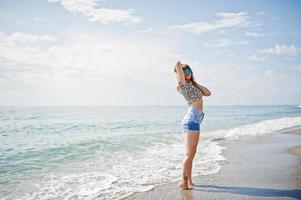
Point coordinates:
[(109, 152)]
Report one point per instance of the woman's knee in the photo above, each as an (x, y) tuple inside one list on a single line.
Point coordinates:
[(191, 154)]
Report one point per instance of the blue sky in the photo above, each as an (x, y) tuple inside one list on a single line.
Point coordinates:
[(108, 52)]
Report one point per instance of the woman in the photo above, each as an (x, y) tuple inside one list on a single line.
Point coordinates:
[(192, 92)]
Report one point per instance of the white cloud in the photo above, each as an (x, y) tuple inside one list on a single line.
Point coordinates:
[(219, 43), (223, 42), (226, 21), (22, 38), (282, 50), (87, 67), (92, 10), (253, 34), (149, 29), (278, 50), (152, 30), (256, 57), (98, 68)]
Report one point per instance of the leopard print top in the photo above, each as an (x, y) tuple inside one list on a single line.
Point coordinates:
[(190, 92)]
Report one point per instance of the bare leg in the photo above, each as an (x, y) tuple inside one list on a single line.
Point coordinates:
[(191, 141), (184, 183), (192, 148)]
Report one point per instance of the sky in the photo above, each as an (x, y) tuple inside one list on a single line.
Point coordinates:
[(122, 52)]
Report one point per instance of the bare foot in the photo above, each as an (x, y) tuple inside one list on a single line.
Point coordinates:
[(183, 186), (190, 185)]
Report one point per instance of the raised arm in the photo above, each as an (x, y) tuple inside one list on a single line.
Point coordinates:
[(180, 74), (204, 90)]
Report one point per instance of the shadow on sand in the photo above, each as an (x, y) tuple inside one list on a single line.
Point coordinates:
[(249, 191)]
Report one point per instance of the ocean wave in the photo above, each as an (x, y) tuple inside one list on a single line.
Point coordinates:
[(255, 129), (127, 172), (87, 185)]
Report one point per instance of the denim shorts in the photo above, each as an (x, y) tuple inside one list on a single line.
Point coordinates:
[(192, 119)]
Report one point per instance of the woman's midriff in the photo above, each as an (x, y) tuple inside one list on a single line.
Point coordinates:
[(198, 104)]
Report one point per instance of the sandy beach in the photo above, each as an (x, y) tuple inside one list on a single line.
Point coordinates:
[(265, 167)]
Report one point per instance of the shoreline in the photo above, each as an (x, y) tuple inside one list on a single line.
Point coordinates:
[(265, 167)]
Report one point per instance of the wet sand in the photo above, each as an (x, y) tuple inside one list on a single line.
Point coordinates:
[(265, 167)]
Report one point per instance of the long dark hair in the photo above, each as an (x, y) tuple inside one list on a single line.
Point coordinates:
[(192, 77)]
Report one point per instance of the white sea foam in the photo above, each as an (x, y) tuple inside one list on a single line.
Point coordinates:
[(160, 163), (72, 186), (256, 128)]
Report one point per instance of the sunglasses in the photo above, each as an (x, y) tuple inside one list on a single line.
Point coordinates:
[(187, 71)]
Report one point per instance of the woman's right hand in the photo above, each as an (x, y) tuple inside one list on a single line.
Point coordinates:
[(179, 70), (176, 66)]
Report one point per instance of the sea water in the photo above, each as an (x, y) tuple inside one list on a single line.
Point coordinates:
[(109, 152)]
